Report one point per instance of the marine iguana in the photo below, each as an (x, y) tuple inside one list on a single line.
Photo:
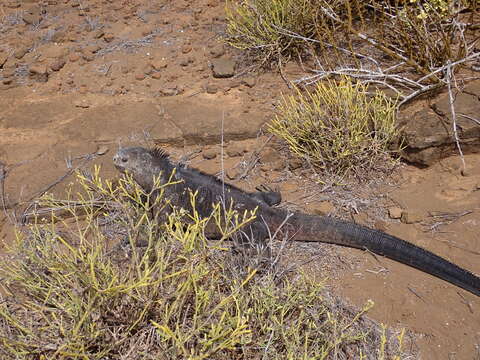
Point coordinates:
[(145, 164)]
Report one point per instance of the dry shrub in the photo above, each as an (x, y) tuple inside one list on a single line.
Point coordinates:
[(69, 293), (421, 34), (337, 127), (258, 26)]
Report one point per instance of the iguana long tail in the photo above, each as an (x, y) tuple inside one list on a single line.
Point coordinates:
[(329, 230)]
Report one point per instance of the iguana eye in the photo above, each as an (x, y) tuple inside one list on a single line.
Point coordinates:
[(124, 160)]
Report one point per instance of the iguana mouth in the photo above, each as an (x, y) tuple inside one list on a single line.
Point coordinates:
[(120, 168)]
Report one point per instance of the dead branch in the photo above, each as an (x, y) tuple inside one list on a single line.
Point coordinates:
[(454, 116)]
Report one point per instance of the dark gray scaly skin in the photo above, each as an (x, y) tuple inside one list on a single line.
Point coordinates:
[(145, 164)]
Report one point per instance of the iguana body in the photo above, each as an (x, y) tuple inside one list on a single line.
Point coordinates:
[(145, 164)]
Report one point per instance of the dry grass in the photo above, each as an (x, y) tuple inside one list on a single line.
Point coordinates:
[(415, 36), (338, 127), (68, 292), (256, 26)]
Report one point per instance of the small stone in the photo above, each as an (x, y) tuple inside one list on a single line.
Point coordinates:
[(101, 150), (234, 150), (232, 173), (223, 68), (411, 217), (21, 52), (465, 172), (38, 69), (108, 37), (186, 48), (7, 81), (57, 65), (395, 212), (184, 62), (249, 81), (159, 64), (209, 154), (140, 76), (147, 30), (217, 51), (88, 56), (84, 104), (73, 57), (171, 91), (295, 163), (211, 88), (156, 75), (323, 208)]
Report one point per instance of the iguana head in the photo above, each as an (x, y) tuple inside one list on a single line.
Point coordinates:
[(142, 163), (134, 160)]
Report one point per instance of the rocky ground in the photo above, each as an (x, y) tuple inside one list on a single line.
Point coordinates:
[(80, 77)]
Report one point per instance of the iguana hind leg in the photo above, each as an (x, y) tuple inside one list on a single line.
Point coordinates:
[(268, 195)]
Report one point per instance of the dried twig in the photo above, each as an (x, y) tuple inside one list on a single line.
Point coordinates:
[(253, 160), (454, 117), (416, 294)]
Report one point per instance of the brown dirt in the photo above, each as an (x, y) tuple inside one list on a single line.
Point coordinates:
[(81, 75)]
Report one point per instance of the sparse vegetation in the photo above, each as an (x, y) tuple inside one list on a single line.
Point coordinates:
[(409, 47), (388, 42), (262, 26), (68, 292), (337, 127)]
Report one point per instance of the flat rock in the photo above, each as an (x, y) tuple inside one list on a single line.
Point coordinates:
[(223, 68), (39, 69), (57, 65), (209, 154), (200, 119), (21, 52), (428, 132), (411, 216), (217, 51), (159, 64), (395, 212), (211, 88), (235, 150)]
